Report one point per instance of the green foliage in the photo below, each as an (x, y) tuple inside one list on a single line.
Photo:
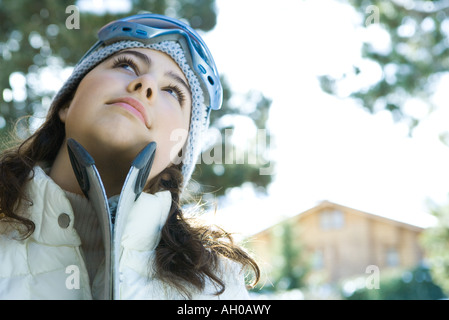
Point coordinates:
[(415, 57), (415, 284), (34, 39), (291, 265), (293, 269), (436, 243), (225, 165)]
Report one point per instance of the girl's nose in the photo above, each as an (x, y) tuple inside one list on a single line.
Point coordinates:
[(145, 86)]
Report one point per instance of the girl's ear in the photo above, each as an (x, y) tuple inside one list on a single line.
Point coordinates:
[(63, 113)]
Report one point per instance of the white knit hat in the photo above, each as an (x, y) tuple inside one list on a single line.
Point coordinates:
[(199, 121)]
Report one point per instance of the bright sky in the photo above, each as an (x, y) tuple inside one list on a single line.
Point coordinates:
[(325, 148)]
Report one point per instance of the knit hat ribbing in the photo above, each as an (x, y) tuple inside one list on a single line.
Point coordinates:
[(199, 115)]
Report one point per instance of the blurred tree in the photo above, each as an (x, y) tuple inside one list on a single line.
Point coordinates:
[(410, 45), (290, 266), (294, 268), (436, 243), (227, 164), (36, 42)]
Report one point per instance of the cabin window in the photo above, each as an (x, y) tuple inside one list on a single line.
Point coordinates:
[(331, 219), (392, 257)]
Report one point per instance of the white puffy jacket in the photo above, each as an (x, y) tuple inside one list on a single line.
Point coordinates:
[(49, 264)]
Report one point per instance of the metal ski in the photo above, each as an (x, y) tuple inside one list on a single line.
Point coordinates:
[(92, 186)]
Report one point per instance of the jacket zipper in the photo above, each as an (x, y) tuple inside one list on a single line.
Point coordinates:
[(112, 213)]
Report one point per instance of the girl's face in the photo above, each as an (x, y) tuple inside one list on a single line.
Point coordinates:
[(134, 97)]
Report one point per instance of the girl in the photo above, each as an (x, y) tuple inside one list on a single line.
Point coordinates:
[(73, 224)]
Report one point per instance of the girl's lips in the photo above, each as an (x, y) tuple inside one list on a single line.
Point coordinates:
[(133, 106), (131, 109)]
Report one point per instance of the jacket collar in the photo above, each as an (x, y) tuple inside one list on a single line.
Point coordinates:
[(53, 216), (143, 227)]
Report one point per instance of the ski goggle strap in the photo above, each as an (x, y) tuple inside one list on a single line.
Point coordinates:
[(151, 28)]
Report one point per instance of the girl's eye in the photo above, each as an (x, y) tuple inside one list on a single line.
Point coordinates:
[(176, 92), (126, 63)]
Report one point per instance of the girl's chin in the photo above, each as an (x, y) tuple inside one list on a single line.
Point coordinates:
[(113, 147)]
